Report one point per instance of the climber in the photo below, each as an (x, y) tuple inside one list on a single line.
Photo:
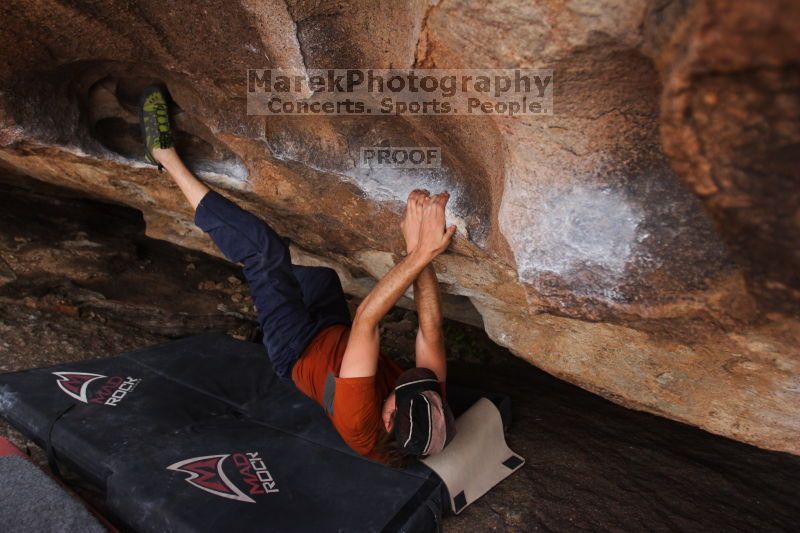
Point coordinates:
[(381, 411)]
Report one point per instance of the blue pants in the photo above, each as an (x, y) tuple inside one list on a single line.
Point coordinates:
[(294, 302)]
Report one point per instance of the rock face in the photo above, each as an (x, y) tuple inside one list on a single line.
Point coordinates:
[(641, 242)]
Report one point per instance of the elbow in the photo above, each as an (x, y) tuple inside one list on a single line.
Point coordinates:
[(360, 311), (363, 317)]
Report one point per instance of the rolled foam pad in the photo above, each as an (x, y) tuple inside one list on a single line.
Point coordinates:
[(478, 458)]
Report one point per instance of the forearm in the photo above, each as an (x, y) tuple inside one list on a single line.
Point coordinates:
[(389, 289), (426, 296), (428, 301), (430, 349)]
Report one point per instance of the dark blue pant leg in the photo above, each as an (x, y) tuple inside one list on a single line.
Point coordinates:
[(322, 293), (285, 319)]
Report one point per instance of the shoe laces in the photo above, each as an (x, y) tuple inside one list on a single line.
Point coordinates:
[(164, 137)]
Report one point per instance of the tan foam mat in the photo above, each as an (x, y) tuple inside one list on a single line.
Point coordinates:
[(478, 458)]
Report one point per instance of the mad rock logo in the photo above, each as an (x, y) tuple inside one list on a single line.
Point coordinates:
[(246, 478), (89, 388)]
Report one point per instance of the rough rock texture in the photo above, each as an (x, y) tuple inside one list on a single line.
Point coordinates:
[(642, 242), (592, 465)]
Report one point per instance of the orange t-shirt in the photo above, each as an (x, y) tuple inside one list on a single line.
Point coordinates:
[(353, 404)]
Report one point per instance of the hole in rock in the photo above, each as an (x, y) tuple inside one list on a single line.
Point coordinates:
[(129, 89), (124, 138), (113, 116), (119, 136)]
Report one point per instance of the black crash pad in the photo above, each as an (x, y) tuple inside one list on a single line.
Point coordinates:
[(199, 434)]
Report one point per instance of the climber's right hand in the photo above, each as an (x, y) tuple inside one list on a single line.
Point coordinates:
[(434, 237), (413, 218)]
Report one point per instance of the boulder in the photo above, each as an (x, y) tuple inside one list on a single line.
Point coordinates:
[(640, 242)]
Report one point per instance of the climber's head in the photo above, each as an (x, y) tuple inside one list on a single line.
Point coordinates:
[(418, 416)]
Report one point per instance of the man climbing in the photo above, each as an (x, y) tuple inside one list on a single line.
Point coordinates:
[(380, 411)]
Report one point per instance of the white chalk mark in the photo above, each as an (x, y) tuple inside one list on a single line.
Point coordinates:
[(563, 230)]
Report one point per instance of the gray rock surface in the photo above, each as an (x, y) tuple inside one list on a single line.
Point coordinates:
[(32, 501)]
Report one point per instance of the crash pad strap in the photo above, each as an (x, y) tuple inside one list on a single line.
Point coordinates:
[(49, 450)]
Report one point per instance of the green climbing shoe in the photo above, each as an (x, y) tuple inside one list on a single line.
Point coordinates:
[(154, 121)]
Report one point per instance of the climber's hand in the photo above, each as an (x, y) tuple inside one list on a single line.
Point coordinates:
[(434, 238), (413, 218)]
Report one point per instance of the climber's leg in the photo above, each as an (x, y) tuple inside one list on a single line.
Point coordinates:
[(286, 321), (322, 293), (191, 187), (288, 324)]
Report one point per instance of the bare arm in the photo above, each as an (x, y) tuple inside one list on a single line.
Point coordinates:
[(430, 351), (361, 355)]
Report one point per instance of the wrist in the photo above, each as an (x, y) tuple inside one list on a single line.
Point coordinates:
[(419, 258)]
